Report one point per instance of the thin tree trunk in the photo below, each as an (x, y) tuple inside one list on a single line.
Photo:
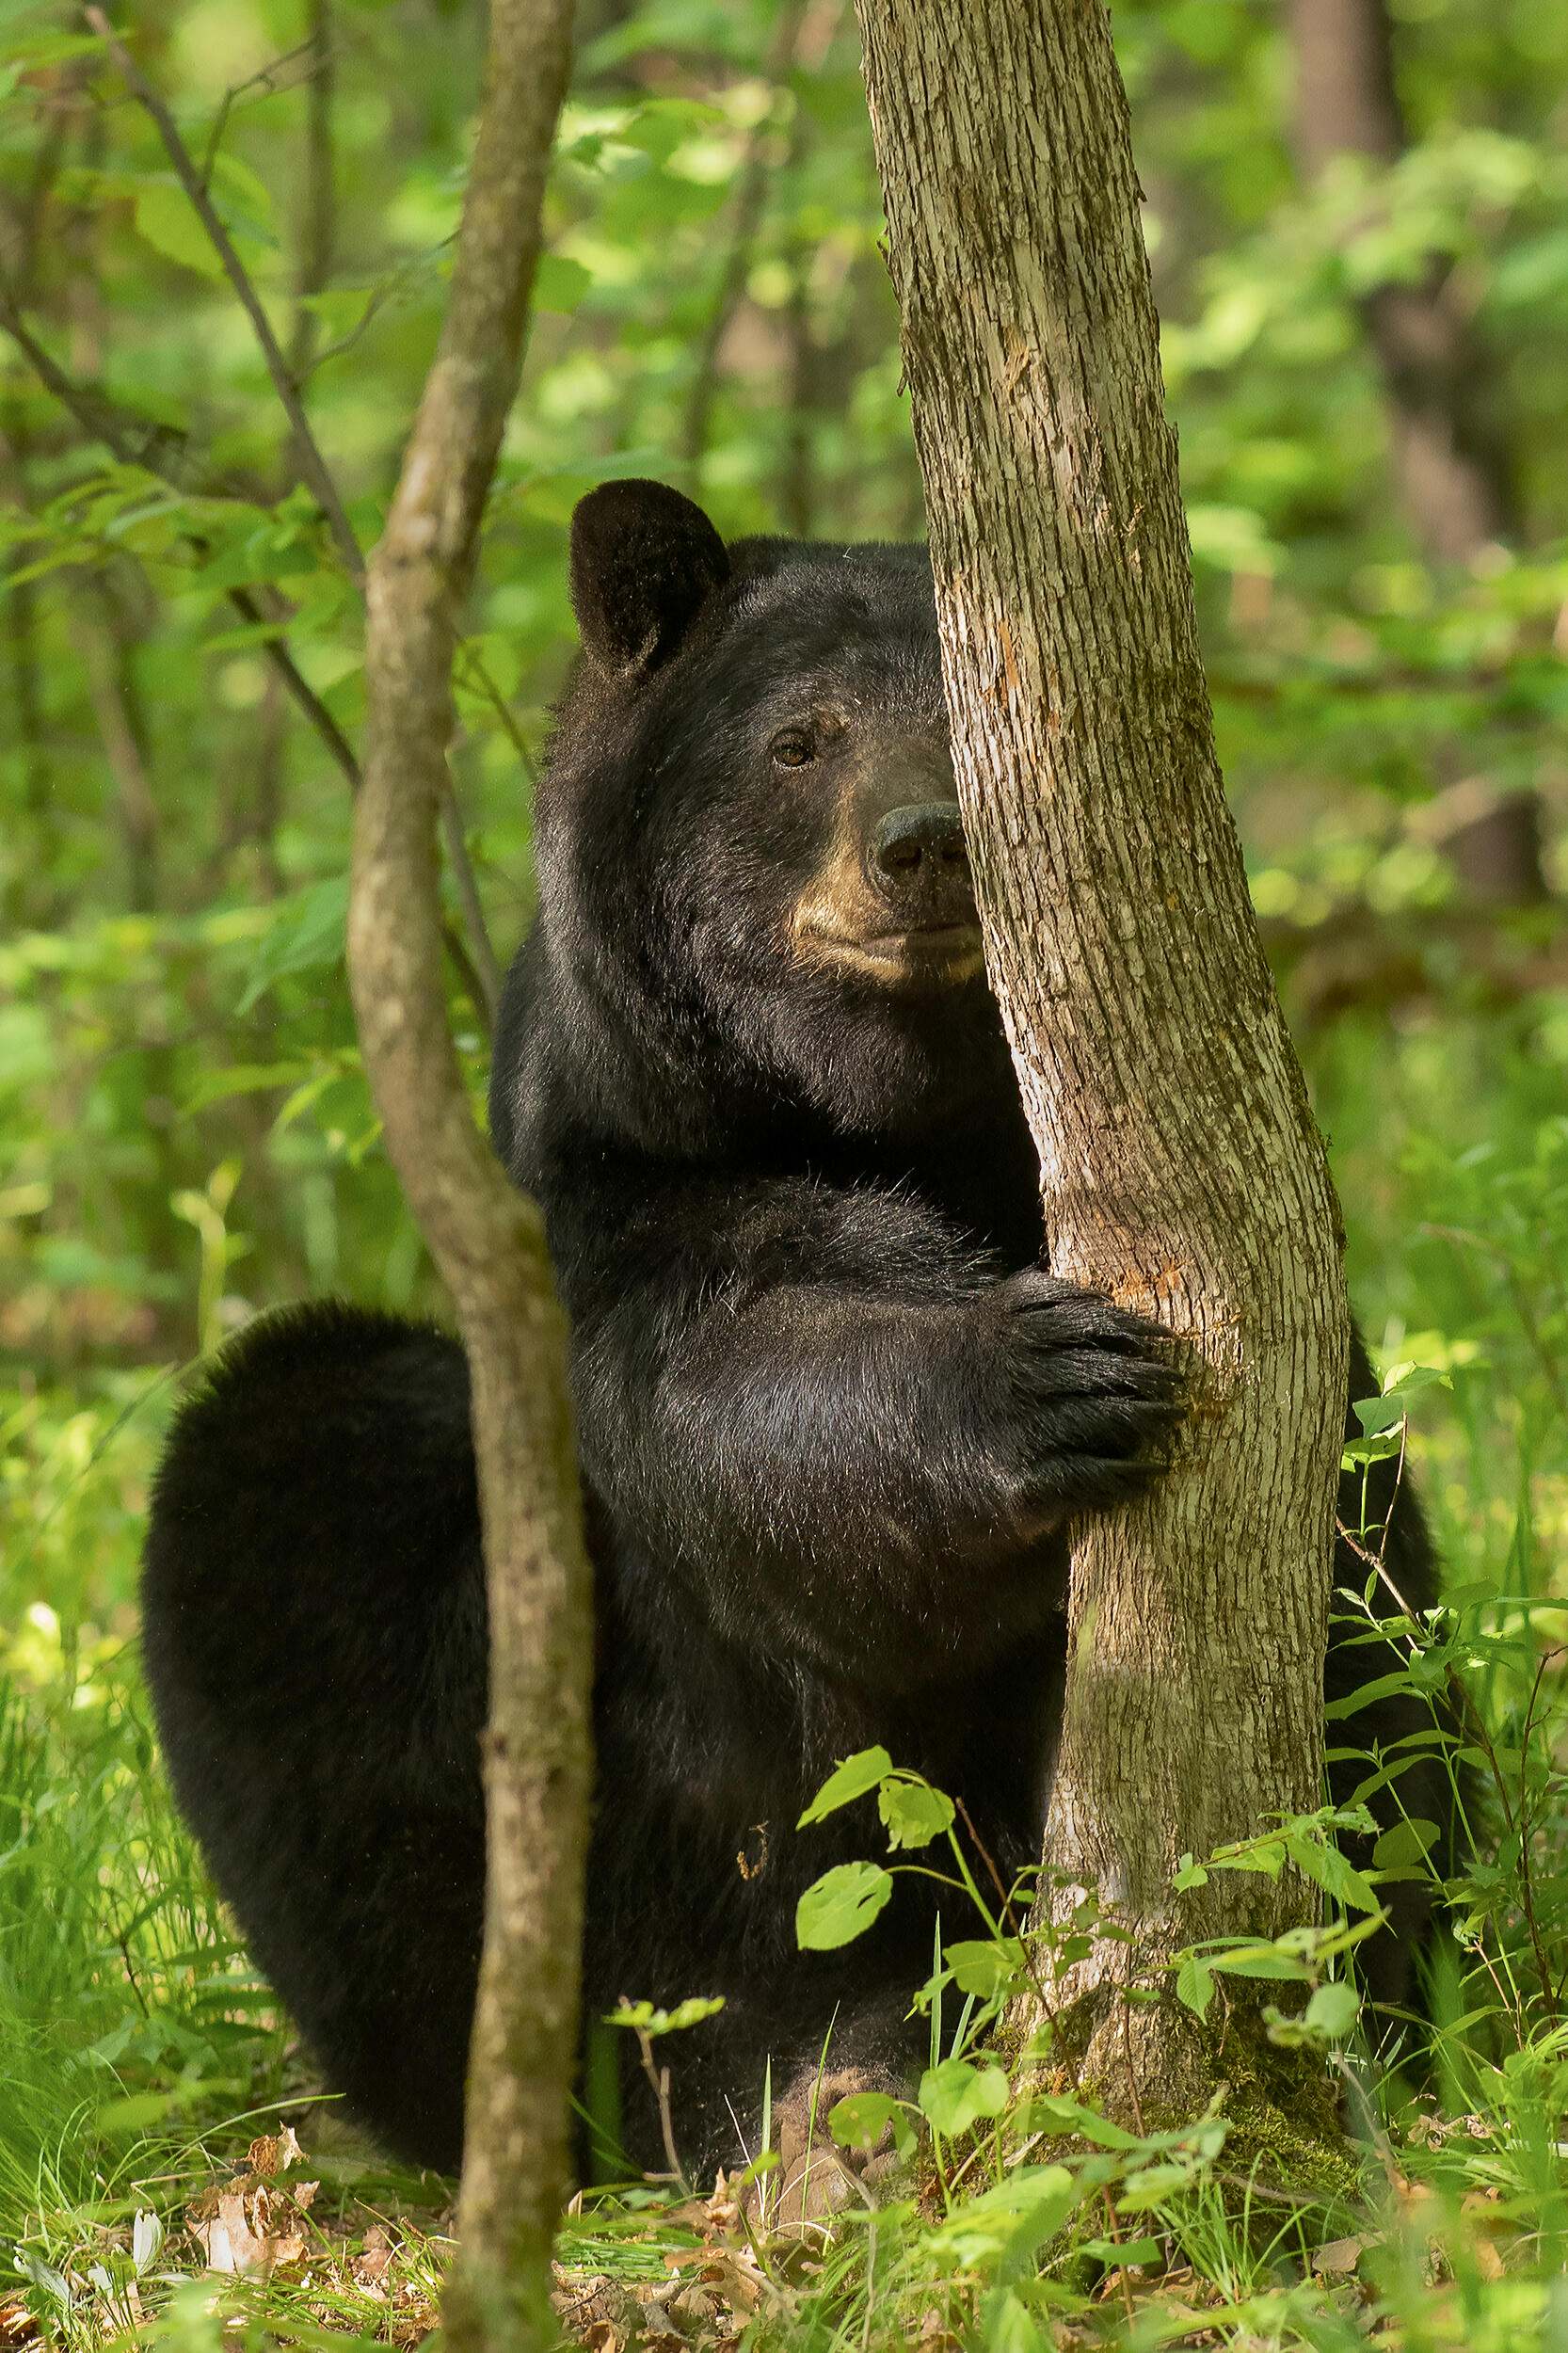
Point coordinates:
[(312, 269), (1181, 1170), (486, 1241), (1449, 460), (758, 165), (1452, 473)]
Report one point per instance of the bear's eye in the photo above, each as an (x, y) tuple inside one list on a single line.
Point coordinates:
[(792, 749)]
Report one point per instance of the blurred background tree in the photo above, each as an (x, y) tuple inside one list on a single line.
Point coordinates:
[(1358, 216)]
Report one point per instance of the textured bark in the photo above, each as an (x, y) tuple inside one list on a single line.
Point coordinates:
[(1452, 475), (488, 1243), (1181, 1170)]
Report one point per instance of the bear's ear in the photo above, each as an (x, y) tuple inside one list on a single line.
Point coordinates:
[(644, 562)]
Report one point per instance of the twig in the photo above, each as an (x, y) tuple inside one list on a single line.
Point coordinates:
[(796, 487), (1123, 2281), (34, 209), (1009, 1911), (116, 428), (303, 692), (659, 2077), (487, 970), (268, 79), (472, 672), (319, 221), (134, 440), (312, 466), (481, 971), (106, 659), (1126, 2053), (21, 602)]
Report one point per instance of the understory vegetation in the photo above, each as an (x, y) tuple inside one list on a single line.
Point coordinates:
[(189, 1139), (149, 2088)]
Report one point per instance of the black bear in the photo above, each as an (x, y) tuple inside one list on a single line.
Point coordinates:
[(833, 1419)]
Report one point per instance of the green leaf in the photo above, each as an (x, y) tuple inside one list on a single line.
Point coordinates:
[(560, 284), (1333, 2011), (1361, 1451), (1378, 1413), (1410, 1380), (1407, 1842), (644, 2018), (984, 1967), (912, 1813), (233, 177), (956, 2095), (864, 2118), (1258, 1961), (306, 935), (1049, 2112), (864, 1770), (1263, 1855), (1004, 2226), (165, 222), (243, 1079), (1116, 2253), (1323, 1864), (1195, 1985), (841, 1905), (1354, 1701)]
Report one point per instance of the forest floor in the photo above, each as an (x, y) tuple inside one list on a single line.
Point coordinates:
[(168, 2173)]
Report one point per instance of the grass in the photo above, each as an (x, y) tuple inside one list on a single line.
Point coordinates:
[(147, 2079)]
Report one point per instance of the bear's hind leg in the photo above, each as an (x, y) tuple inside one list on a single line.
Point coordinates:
[(314, 1636)]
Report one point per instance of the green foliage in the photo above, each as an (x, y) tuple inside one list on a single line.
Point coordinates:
[(841, 1905), (192, 1140), (644, 2018)]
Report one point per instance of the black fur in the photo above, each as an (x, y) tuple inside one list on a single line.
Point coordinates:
[(833, 1421)]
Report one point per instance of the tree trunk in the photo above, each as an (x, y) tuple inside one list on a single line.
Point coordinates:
[(1451, 472), (1182, 1171), (1451, 467), (486, 1241)]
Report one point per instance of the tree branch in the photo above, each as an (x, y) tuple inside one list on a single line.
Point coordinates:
[(160, 450), (318, 212), (480, 970), (312, 466), (486, 1241)]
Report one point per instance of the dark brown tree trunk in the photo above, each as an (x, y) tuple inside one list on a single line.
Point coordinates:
[(486, 1241), (1450, 463), (1181, 1170), (1452, 473)]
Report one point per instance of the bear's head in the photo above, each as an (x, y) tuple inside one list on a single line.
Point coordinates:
[(755, 902)]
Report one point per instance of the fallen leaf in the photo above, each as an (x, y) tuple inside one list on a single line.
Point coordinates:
[(1339, 2256), (375, 2257), (246, 2229), (274, 2153)]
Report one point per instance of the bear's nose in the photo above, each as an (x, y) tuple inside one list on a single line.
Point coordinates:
[(922, 845)]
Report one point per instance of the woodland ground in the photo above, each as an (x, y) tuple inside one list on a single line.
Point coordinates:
[(148, 2085)]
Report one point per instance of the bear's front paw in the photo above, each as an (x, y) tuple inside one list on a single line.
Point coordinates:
[(1090, 1397)]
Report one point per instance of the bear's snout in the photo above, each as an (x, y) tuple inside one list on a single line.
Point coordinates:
[(919, 866)]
